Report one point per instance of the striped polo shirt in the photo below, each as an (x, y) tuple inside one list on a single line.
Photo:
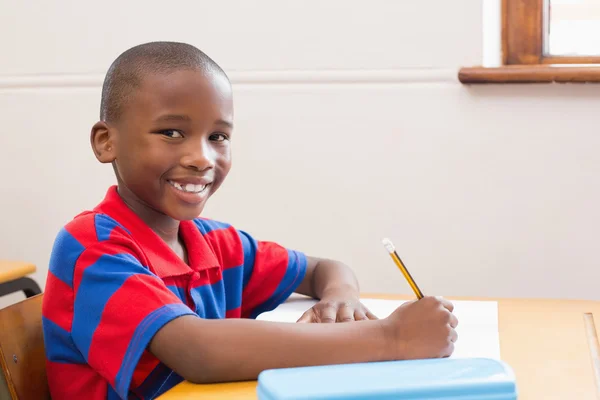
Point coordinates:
[(113, 283)]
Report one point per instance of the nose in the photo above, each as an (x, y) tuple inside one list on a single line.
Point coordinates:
[(199, 155)]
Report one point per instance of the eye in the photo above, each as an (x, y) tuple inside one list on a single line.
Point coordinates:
[(219, 137), (172, 133)]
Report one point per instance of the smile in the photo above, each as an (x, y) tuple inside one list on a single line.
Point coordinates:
[(189, 187)]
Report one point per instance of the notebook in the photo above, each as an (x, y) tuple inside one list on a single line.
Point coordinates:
[(477, 328)]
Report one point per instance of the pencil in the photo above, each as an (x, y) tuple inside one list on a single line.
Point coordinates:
[(389, 246)]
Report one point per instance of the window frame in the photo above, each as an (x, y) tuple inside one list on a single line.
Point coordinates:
[(523, 55)]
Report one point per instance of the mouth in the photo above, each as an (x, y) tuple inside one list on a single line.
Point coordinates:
[(189, 187)]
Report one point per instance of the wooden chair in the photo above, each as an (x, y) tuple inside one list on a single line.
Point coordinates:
[(13, 278), (22, 355)]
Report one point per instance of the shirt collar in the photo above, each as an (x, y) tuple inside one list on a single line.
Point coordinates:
[(164, 262)]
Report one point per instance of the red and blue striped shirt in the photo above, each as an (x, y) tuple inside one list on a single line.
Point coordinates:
[(113, 283)]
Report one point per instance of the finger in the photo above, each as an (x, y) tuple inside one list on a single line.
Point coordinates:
[(370, 315), (453, 336), (407, 303), (308, 316), (326, 314), (453, 321), (449, 350), (446, 303), (359, 315), (345, 313)]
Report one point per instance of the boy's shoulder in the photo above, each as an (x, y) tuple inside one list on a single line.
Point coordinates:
[(84, 231), (91, 227), (207, 225), (221, 236)]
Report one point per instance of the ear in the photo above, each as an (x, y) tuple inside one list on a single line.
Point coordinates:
[(102, 139)]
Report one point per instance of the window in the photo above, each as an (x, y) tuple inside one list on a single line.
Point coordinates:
[(545, 41), (572, 31)]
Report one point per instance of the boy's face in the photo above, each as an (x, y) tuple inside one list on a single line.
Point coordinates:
[(171, 145)]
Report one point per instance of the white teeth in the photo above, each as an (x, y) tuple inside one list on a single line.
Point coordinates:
[(189, 188)]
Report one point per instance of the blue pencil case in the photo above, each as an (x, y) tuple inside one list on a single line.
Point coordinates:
[(439, 379)]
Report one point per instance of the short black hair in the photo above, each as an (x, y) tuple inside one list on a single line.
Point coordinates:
[(127, 71)]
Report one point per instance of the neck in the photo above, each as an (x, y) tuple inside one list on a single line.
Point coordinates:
[(163, 225)]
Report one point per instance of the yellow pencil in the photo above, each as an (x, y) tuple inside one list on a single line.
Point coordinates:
[(387, 243)]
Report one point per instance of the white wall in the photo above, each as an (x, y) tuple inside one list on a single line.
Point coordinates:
[(350, 126)]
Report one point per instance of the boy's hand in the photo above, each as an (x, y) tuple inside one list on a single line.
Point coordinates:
[(422, 329), (337, 306)]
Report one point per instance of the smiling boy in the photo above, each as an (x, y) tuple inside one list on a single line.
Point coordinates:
[(143, 293)]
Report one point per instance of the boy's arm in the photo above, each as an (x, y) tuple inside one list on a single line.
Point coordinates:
[(206, 351), (132, 310), (336, 286)]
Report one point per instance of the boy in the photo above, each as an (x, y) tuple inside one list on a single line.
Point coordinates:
[(142, 293)]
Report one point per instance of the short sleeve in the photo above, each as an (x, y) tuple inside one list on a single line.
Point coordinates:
[(119, 306), (271, 274)]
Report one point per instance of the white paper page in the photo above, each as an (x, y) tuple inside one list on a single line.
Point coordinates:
[(477, 328)]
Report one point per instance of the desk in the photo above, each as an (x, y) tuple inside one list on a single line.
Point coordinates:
[(544, 341)]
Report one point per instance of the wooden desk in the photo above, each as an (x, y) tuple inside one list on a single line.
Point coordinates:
[(13, 278), (544, 341)]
